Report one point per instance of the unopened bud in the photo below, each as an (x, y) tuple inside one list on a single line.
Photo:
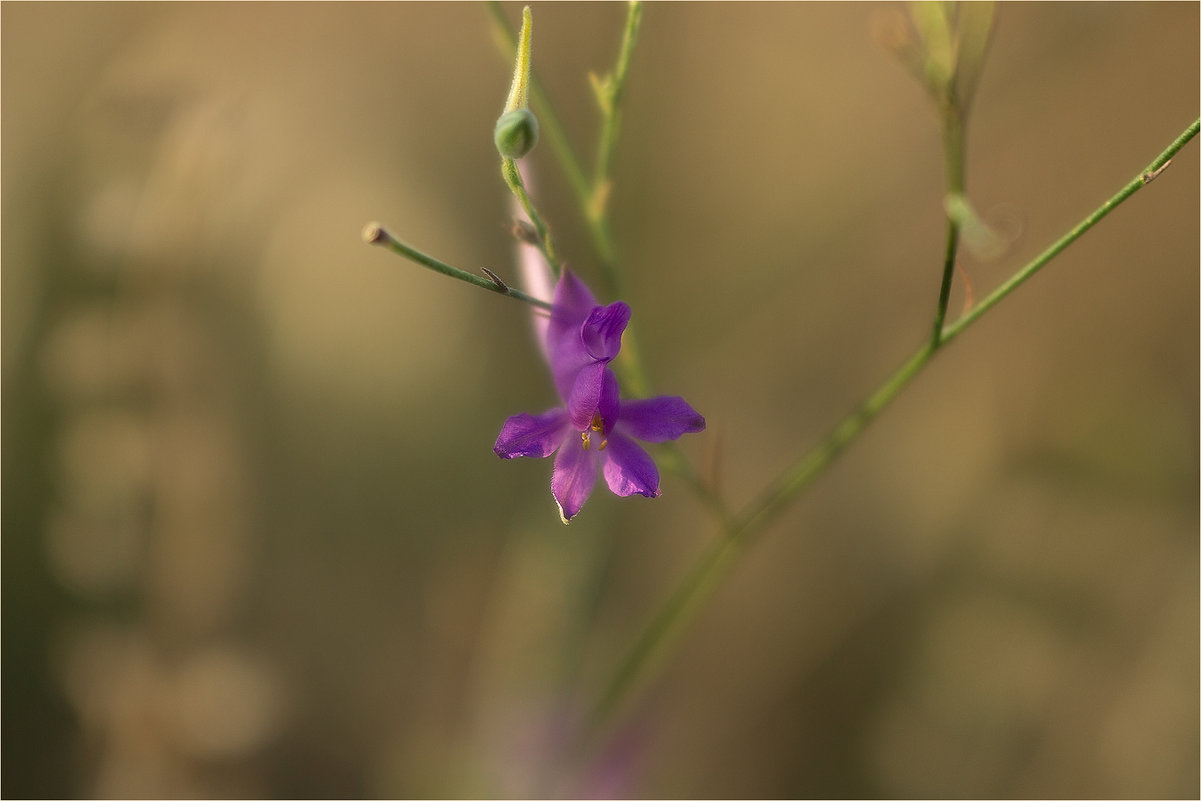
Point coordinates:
[(516, 133)]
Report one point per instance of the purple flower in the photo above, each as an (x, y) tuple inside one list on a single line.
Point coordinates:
[(594, 431)]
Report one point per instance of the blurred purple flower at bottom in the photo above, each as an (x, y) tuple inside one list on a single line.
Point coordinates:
[(594, 431)]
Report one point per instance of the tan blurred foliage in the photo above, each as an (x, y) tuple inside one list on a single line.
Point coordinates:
[(255, 541)]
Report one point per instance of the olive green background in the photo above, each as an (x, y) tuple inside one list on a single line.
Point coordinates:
[(255, 541)]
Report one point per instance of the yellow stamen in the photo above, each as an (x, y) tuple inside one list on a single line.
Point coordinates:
[(597, 424)]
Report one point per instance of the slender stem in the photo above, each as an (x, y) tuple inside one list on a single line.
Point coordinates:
[(803, 471), (612, 103), (609, 94), (948, 273), (721, 556), (953, 147), (374, 234), (512, 178)]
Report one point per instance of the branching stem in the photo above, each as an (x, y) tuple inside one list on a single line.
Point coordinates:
[(722, 555)]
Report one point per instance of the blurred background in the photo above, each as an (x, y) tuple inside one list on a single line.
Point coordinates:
[(255, 541)]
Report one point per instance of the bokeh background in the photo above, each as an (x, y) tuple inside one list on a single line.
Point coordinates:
[(255, 542)]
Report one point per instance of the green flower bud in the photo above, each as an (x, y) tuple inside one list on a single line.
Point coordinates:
[(516, 133)]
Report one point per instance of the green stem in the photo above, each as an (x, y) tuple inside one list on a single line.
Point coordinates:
[(375, 235), (610, 93), (953, 147), (610, 107), (512, 176), (721, 556)]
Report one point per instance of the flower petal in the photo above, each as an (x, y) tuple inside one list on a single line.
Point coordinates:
[(629, 470), (584, 400), (580, 331), (601, 332), (531, 435), (609, 403), (573, 300), (575, 473), (595, 392), (659, 419)]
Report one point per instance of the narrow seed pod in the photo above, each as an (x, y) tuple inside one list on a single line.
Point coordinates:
[(516, 133)]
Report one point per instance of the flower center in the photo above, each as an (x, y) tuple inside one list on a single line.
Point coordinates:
[(597, 424)]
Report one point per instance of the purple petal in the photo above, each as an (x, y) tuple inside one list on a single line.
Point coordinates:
[(602, 330), (531, 435), (575, 473), (567, 356), (584, 400), (595, 392), (629, 470), (659, 419), (565, 366), (573, 300), (565, 349), (609, 405), (580, 331)]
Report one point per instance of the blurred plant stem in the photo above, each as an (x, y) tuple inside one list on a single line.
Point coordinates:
[(953, 141), (609, 91), (722, 555)]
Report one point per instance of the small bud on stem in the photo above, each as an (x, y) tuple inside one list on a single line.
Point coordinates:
[(516, 131)]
